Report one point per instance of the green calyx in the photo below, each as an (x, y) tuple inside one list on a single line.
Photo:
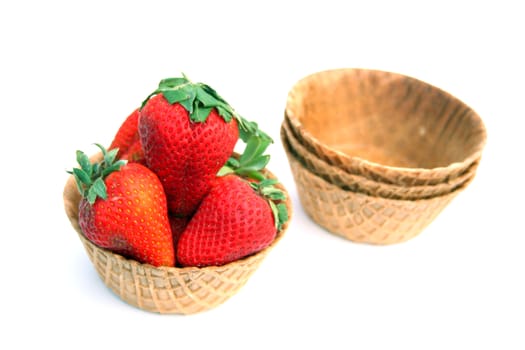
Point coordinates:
[(274, 196), (250, 165), (90, 177), (199, 99), (251, 161)]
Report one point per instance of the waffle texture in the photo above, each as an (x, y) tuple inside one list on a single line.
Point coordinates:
[(167, 290), (357, 183), (360, 217), (384, 126)]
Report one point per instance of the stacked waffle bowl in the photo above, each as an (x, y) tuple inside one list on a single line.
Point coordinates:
[(376, 156)]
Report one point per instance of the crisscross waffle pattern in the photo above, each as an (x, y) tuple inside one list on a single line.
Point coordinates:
[(170, 290), (359, 217), (358, 183), (384, 126)]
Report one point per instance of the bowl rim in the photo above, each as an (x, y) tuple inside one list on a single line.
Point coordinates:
[(423, 211), (443, 187), (336, 188), (71, 198), (375, 166)]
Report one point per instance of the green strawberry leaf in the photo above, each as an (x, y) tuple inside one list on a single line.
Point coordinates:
[(112, 168), (206, 99), (110, 156), (252, 174), (198, 99), (255, 147), (249, 164), (200, 114), (98, 189), (208, 89), (90, 177), (272, 193), (225, 170), (85, 164), (251, 161), (173, 82), (209, 98), (233, 162), (96, 168), (224, 113), (82, 176), (184, 95), (80, 188), (268, 182), (80, 185), (274, 196), (255, 163), (275, 212), (282, 213), (91, 196), (248, 129)]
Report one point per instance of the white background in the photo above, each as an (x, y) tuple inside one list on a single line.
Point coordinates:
[(72, 71)]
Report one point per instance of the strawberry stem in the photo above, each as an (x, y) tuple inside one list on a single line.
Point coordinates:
[(274, 196), (251, 161), (90, 177), (199, 99), (250, 165)]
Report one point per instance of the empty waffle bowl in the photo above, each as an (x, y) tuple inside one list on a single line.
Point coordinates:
[(360, 217), (358, 183), (167, 290), (384, 126)]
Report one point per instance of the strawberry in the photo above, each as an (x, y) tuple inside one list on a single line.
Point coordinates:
[(134, 153), (185, 155), (237, 218), (123, 209), (188, 132), (178, 225), (127, 140)]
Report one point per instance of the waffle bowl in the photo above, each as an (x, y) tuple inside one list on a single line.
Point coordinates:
[(358, 183), (168, 290), (359, 217), (384, 126)]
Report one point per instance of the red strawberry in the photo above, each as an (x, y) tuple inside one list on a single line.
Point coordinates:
[(124, 209), (127, 140), (178, 225), (186, 155), (188, 132), (233, 221), (237, 217), (134, 153)]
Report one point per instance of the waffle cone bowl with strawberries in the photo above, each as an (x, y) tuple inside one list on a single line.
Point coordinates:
[(174, 290), (173, 220)]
